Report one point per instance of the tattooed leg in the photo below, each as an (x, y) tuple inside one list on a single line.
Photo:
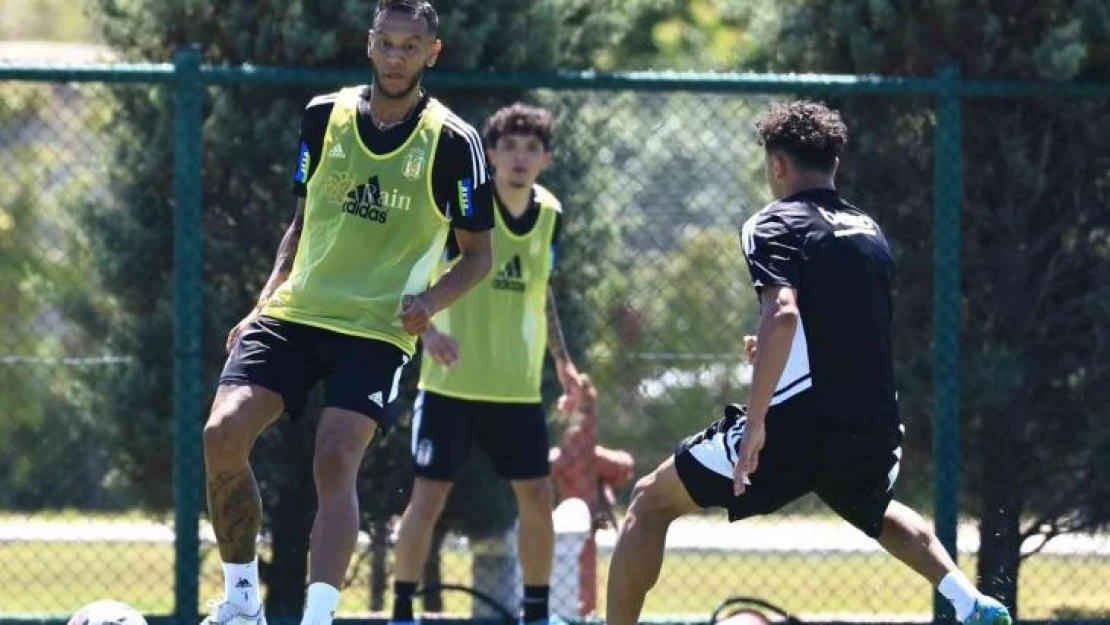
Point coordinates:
[(235, 508), (239, 414)]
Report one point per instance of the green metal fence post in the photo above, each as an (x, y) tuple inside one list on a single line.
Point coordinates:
[(187, 294), (947, 196)]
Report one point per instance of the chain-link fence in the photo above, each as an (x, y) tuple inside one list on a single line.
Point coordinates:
[(114, 325)]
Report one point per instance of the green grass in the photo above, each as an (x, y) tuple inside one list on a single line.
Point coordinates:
[(55, 578)]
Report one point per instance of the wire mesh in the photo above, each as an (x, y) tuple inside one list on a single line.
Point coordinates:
[(654, 297)]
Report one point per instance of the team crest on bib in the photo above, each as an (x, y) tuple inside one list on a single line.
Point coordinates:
[(424, 452), (414, 164)]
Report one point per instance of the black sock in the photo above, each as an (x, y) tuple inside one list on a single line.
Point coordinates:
[(402, 600), (535, 603)]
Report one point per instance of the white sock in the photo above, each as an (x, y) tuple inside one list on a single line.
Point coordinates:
[(320, 606), (957, 588), (241, 585)]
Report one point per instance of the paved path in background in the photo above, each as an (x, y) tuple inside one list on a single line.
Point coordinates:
[(791, 535)]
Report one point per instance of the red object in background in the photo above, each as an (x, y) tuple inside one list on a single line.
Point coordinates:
[(581, 468)]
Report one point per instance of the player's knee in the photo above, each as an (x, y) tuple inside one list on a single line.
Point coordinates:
[(337, 461), (238, 414), (428, 498), (647, 501), (226, 439), (642, 490), (535, 496)]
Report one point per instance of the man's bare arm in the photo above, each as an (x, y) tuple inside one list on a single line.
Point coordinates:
[(778, 320), (475, 259), (555, 341), (286, 254), (476, 256)]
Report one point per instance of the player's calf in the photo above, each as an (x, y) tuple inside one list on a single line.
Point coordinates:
[(907, 536), (657, 500), (414, 540)]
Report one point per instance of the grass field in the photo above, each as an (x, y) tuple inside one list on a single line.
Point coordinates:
[(58, 577)]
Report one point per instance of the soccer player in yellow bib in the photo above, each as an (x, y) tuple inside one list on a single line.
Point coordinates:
[(480, 377), (384, 174)]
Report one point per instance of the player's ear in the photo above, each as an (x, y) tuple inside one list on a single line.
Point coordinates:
[(786, 165), (437, 47), (777, 165)]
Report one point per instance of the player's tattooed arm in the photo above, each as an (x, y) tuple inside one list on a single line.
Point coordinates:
[(286, 254), (569, 377)]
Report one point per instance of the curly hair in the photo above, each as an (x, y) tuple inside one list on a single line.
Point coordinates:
[(519, 119), (417, 8), (809, 132)]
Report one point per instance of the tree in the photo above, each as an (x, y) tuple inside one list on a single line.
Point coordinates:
[(687, 35), (249, 135), (42, 415), (1034, 237), (684, 363)]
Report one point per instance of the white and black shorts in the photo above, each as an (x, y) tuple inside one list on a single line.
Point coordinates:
[(852, 471)]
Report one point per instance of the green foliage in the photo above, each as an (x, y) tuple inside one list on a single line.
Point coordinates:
[(45, 20), (675, 355), (694, 35), (44, 416)]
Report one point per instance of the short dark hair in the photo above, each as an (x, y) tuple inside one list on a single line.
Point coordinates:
[(519, 119), (417, 8), (809, 132)]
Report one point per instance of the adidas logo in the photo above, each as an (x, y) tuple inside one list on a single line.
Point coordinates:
[(376, 397), (373, 202), (243, 583), (336, 151), (510, 277)]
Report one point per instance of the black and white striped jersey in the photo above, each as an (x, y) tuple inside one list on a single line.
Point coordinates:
[(838, 260), (459, 156)]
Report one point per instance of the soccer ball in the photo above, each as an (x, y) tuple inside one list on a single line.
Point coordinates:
[(107, 612)]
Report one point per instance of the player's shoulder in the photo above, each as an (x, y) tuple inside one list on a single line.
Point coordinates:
[(789, 213), (322, 101), (546, 199), (456, 129), (326, 101), (459, 143), (780, 217), (768, 213), (787, 208)]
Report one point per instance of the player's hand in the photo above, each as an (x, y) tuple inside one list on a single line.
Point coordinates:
[(416, 313), (233, 336), (749, 348), (442, 348), (572, 382), (755, 436)]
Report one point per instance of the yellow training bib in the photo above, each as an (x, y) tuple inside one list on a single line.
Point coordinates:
[(372, 232), (501, 324)]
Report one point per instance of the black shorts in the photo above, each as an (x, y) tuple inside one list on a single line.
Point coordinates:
[(852, 472), (513, 435), (359, 374)]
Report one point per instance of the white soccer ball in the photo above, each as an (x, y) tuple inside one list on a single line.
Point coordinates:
[(107, 612)]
